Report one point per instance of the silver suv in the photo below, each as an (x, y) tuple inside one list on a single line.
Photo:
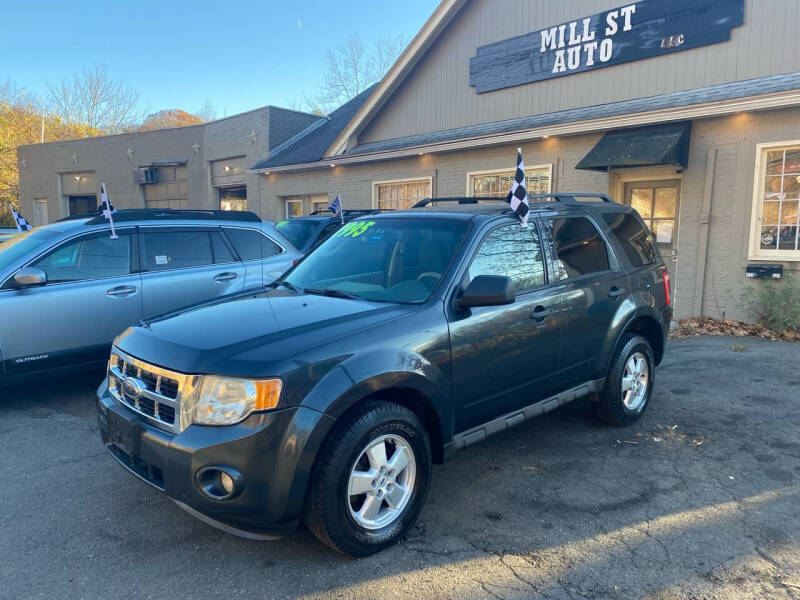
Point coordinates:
[(67, 289)]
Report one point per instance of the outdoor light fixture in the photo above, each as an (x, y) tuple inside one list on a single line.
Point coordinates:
[(227, 168), (333, 165)]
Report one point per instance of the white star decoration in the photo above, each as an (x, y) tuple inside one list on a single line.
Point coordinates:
[(129, 152), (74, 158), (196, 148), (24, 163), (253, 136)]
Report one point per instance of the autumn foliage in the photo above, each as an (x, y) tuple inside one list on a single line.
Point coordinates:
[(165, 119), (92, 103), (21, 123)]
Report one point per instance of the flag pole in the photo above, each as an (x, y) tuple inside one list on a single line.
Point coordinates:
[(107, 210), (16, 220)]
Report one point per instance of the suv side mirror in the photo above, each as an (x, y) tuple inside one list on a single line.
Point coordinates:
[(488, 290), (30, 277)]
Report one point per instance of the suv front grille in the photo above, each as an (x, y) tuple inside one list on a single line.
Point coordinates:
[(152, 391)]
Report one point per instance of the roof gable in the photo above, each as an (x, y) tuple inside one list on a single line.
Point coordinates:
[(310, 144)]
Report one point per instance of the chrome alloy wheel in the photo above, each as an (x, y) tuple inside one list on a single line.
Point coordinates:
[(634, 381), (381, 482)]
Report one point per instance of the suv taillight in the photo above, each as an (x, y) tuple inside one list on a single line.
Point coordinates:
[(665, 277)]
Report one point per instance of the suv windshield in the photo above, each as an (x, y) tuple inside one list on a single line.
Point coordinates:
[(21, 244), (298, 231), (386, 260)]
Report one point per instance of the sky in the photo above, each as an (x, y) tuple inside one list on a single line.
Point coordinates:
[(236, 54)]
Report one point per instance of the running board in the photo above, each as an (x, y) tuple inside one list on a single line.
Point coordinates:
[(480, 433)]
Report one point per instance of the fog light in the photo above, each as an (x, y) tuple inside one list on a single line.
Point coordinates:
[(226, 481), (220, 482)]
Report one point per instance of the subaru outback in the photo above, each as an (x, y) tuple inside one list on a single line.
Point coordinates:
[(327, 396), (71, 288)]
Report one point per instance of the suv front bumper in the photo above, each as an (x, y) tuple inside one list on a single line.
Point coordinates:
[(273, 452)]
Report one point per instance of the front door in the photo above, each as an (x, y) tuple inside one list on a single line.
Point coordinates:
[(91, 296), (657, 202), (82, 205), (505, 357)]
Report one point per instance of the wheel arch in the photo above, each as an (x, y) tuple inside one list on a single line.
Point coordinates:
[(413, 398), (649, 329)]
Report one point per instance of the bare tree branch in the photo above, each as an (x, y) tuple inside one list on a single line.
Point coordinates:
[(207, 113), (95, 99), (351, 67)]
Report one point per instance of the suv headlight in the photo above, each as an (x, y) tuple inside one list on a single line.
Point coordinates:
[(227, 400)]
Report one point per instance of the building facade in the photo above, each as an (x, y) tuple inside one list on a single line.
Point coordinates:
[(201, 166), (687, 110)]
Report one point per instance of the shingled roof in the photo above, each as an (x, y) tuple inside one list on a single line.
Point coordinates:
[(312, 142), (714, 93)]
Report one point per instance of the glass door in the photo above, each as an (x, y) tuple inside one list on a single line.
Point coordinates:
[(658, 203)]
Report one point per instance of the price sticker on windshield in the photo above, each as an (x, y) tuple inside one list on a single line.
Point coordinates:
[(354, 229)]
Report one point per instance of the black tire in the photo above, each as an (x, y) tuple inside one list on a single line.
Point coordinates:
[(610, 406), (327, 508)]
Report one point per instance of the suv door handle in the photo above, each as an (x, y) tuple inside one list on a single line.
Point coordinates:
[(227, 276), (121, 291), (616, 292), (540, 313)]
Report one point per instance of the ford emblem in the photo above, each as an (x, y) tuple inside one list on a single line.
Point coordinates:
[(132, 388)]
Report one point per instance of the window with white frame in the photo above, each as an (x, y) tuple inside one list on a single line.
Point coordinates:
[(304, 204), (776, 218), (497, 184), (401, 194), (319, 202), (294, 207)]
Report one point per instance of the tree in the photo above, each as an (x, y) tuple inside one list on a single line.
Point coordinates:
[(351, 67), (21, 118), (173, 117), (95, 100), (208, 112)]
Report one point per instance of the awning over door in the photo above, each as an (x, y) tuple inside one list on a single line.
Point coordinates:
[(648, 146)]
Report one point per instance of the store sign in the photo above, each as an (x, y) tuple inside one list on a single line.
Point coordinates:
[(632, 32)]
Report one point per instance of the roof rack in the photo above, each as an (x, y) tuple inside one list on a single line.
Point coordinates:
[(458, 199), (568, 197), (164, 214), (347, 212)]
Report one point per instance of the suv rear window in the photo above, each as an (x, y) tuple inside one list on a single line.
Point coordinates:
[(578, 247), (250, 244), (633, 237), (177, 249)]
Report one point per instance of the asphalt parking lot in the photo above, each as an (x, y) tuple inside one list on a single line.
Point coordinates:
[(701, 499)]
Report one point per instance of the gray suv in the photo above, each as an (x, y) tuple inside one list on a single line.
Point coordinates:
[(67, 289), (6, 233)]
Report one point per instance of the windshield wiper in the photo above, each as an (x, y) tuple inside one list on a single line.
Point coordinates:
[(286, 284), (333, 293)]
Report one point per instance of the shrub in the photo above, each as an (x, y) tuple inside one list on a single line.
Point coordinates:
[(775, 304)]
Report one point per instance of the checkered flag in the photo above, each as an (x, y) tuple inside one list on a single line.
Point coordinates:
[(336, 207), (518, 196), (107, 209), (22, 224)]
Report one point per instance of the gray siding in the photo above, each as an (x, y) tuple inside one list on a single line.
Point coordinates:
[(437, 94)]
